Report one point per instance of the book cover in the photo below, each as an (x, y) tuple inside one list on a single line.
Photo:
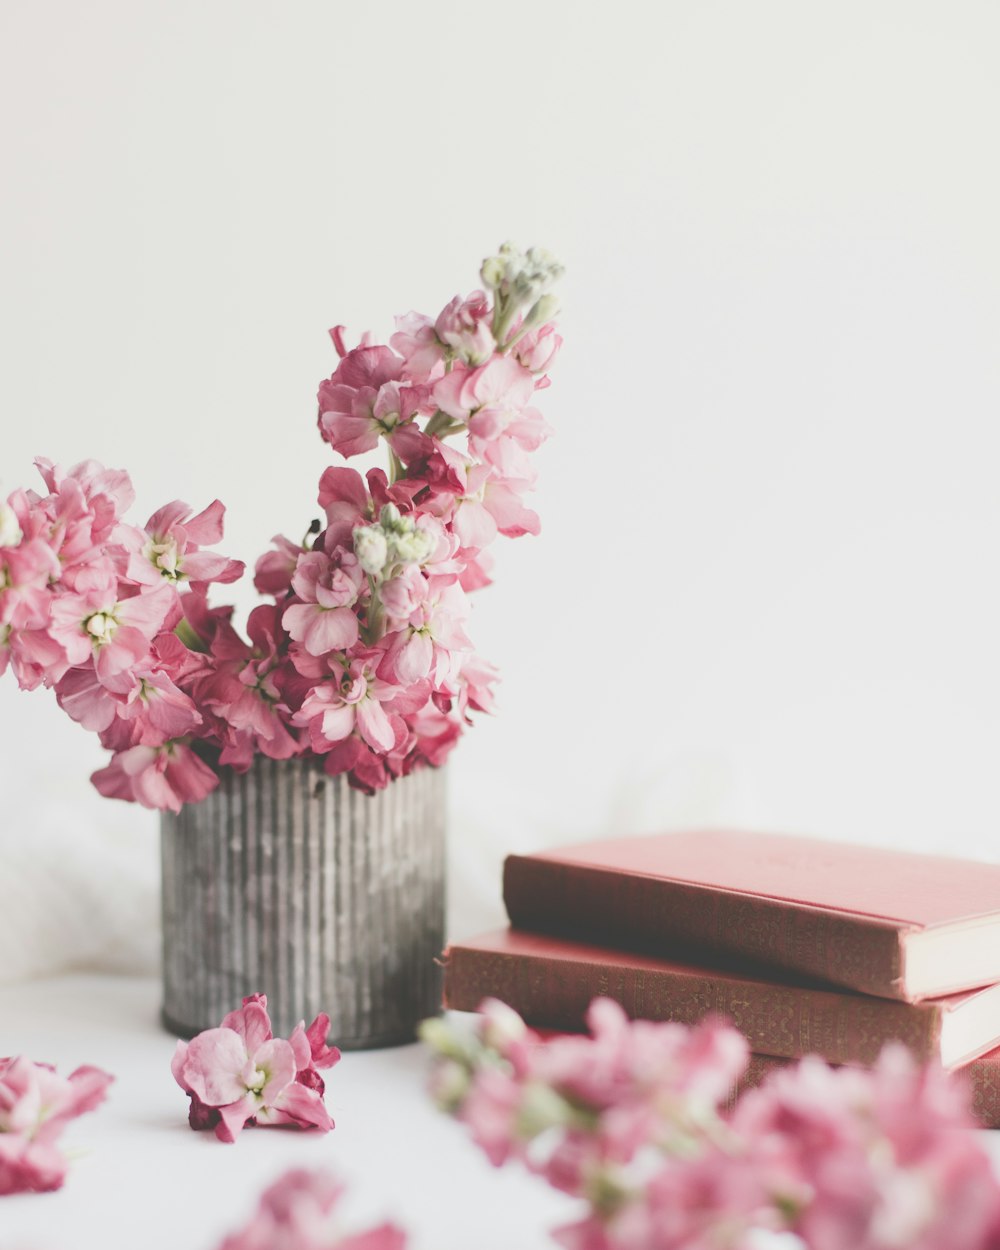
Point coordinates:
[(551, 982), (888, 923)]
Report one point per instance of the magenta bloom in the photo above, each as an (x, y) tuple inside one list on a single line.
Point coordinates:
[(298, 1212), (240, 1073), (36, 1104)]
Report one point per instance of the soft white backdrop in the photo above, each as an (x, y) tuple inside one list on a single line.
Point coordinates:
[(766, 588)]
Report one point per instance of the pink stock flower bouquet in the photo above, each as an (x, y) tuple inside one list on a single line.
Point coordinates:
[(361, 657), (645, 1125)]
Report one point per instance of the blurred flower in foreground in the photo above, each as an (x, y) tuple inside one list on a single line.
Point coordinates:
[(631, 1120), (36, 1104), (298, 1212)]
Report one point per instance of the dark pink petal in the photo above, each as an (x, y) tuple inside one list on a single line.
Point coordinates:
[(323, 1056), (343, 486), (351, 436)]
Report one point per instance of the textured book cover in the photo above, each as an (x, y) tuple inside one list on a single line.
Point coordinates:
[(888, 923), (551, 982)]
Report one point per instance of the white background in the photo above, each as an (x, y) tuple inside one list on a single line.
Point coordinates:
[(766, 589)]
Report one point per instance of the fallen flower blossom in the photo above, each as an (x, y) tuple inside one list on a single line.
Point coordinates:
[(298, 1212), (240, 1073)]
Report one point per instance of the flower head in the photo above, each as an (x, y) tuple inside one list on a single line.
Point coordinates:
[(241, 1073), (36, 1104)]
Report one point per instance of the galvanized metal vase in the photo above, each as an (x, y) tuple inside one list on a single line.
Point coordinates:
[(289, 882)]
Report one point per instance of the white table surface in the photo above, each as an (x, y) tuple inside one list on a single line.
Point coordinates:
[(141, 1177)]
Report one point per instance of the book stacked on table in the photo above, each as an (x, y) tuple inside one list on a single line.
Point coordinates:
[(808, 947)]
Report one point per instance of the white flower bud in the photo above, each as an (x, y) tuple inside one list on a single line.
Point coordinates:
[(501, 1026), (541, 1108), (449, 1084), (389, 517), (101, 627), (10, 530), (492, 272), (542, 310), (371, 548), (411, 546)]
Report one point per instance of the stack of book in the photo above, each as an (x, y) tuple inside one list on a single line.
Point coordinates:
[(808, 947)]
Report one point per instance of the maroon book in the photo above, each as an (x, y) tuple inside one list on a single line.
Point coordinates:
[(888, 923), (551, 982)]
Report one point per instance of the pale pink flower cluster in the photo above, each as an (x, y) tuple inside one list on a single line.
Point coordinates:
[(362, 658), (240, 1073), (630, 1120), (299, 1212), (36, 1104)]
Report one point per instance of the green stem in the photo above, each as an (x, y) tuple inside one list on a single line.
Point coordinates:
[(441, 425), (185, 632), (372, 631), (396, 470)]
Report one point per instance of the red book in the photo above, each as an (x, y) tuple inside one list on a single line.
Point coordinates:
[(983, 1076), (551, 982), (888, 923)]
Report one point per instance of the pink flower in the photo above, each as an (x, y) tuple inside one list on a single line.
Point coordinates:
[(298, 1212), (241, 1073), (426, 645), (147, 706), (327, 589), (417, 342), (357, 407), (163, 778), (538, 349), (464, 327), (105, 494), (489, 506), (873, 1160), (489, 398), (273, 571), (333, 710), (117, 633), (364, 647), (35, 1106), (169, 549)]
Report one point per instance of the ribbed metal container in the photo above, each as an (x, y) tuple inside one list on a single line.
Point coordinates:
[(289, 882)]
